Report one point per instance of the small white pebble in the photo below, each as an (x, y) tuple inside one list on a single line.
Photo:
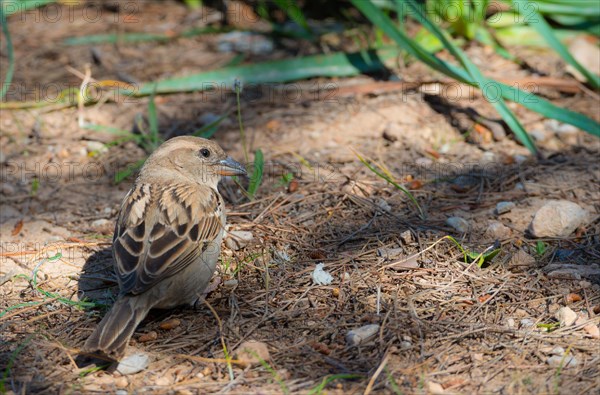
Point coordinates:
[(133, 364), (320, 276)]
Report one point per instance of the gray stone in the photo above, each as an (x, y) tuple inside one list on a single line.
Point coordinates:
[(566, 316), (459, 224), (504, 207), (568, 361), (557, 218), (96, 146), (238, 239), (133, 364), (497, 231), (361, 335)]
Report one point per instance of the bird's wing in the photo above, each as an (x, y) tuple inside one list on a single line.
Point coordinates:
[(161, 230)]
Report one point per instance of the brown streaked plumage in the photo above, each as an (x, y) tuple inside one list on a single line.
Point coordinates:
[(167, 237)]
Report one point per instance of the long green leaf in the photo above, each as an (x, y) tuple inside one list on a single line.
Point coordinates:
[(482, 82), (526, 99), (257, 173), (122, 38), (334, 65), (537, 21), (9, 50)]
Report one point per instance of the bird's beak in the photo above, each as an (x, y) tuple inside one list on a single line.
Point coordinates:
[(229, 167)]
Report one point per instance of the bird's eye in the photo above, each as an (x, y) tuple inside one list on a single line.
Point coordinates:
[(204, 152)]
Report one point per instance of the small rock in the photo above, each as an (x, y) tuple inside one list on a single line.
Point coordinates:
[(464, 183), (148, 337), (435, 388), (390, 253), (521, 258), (406, 237), (7, 189), (510, 323), (565, 128), (251, 352), (162, 381), (361, 335), (424, 162), (121, 382), (504, 207), (320, 276), (526, 323), (558, 350), (520, 159), (592, 330), (170, 324), (408, 263), (238, 239), (96, 147), (585, 284), (391, 132), (121, 392), (566, 316), (497, 231), (382, 204), (99, 223), (459, 224), (557, 218), (539, 135), (558, 360), (477, 357), (133, 364), (553, 308)]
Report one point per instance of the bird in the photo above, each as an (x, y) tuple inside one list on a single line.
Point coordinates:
[(167, 237)]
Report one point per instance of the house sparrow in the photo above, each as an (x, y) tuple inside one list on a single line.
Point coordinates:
[(167, 237)]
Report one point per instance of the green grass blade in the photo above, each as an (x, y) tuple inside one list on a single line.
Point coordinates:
[(526, 99), (537, 21), (257, 173), (481, 81), (290, 7), (390, 181), (9, 49)]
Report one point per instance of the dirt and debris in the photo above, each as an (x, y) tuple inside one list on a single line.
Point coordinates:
[(444, 325)]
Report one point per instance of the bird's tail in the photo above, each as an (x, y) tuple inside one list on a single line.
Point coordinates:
[(116, 328)]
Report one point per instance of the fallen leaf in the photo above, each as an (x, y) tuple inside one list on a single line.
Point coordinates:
[(572, 298), (453, 382), (433, 153), (293, 186), (170, 324), (17, 228), (147, 337), (273, 124), (415, 184), (321, 348), (317, 254)]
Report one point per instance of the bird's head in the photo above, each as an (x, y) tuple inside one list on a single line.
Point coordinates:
[(194, 158)]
